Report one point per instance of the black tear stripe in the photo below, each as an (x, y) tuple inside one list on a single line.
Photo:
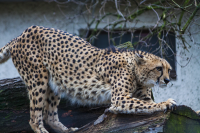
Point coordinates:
[(158, 79)]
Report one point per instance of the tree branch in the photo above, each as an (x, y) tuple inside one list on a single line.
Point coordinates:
[(190, 19)]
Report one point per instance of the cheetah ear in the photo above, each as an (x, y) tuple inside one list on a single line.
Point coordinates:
[(140, 59)]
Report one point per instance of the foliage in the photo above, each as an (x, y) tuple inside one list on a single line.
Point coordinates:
[(124, 15), (127, 45)]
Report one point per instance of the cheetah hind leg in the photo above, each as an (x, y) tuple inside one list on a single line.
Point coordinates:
[(36, 118), (51, 115)]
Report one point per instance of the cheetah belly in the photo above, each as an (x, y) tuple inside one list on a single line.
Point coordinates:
[(81, 96)]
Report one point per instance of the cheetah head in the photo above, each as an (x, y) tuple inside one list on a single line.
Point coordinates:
[(151, 70)]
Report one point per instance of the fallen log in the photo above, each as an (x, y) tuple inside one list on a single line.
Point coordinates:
[(14, 116)]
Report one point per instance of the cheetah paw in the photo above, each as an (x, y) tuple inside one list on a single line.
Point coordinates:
[(170, 105)]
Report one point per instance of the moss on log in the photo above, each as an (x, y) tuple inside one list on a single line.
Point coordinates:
[(182, 120)]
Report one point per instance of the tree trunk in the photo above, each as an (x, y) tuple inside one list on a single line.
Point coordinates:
[(14, 115)]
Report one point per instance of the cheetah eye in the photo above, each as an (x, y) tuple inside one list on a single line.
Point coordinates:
[(159, 68)]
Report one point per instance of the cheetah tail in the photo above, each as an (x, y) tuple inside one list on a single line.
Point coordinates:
[(5, 52)]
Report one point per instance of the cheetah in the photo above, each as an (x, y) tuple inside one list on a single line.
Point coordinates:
[(55, 64)]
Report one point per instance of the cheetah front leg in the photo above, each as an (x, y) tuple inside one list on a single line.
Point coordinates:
[(121, 102), (51, 113), (136, 106), (143, 93)]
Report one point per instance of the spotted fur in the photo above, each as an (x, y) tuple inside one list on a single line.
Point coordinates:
[(53, 63)]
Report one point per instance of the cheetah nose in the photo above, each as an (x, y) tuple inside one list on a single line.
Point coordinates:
[(166, 80)]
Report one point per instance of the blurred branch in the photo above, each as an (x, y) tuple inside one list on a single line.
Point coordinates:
[(146, 8), (181, 16), (190, 19), (119, 10)]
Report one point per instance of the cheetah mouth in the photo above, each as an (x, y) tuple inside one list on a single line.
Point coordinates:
[(161, 84), (153, 83)]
